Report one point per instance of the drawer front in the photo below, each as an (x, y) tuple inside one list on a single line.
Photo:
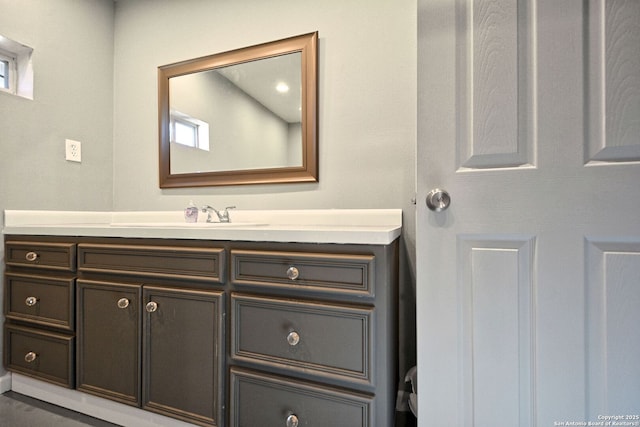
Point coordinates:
[(55, 256), (39, 299), (346, 274), (329, 341), (262, 400), (45, 355), (200, 264)]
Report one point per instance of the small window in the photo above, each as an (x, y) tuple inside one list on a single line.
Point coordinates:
[(16, 69), (7, 70), (185, 133), (188, 131), (4, 74)]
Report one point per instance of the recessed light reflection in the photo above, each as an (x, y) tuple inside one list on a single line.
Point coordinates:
[(282, 87)]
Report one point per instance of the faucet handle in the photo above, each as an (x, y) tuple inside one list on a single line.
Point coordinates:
[(229, 207)]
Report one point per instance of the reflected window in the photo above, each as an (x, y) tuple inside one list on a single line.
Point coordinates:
[(189, 131)]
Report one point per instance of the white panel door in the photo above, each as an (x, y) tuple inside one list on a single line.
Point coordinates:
[(528, 292)]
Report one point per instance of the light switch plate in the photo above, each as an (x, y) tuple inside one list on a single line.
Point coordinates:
[(73, 150)]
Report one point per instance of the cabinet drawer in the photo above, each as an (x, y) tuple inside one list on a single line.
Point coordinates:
[(45, 355), (263, 400), (349, 274), (44, 300), (55, 256), (200, 264), (325, 340)]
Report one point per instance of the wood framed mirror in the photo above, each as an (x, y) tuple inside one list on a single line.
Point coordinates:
[(247, 116)]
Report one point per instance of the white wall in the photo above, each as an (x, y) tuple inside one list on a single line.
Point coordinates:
[(73, 65)]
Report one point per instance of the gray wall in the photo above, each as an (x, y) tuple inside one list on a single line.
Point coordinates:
[(96, 81), (367, 103), (367, 96), (73, 98)]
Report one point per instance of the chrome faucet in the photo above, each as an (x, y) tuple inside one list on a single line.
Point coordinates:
[(223, 216)]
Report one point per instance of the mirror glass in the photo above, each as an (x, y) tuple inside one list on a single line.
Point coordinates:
[(247, 116)]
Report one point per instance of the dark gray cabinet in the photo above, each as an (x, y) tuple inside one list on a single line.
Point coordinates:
[(109, 340), (261, 399), (39, 287), (168, 337), (313, 335), (148, 336), (215, 333), (182, 362)]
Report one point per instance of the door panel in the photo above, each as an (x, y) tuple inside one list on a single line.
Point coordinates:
[(108, 354), (496, 301), (528, 115), (613, 337), (614, 81), (494, 78), (182, 357)]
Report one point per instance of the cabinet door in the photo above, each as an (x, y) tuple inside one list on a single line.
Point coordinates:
[(182, 355), (108, 354)]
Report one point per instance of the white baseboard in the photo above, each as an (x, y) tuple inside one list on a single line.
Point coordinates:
[(5, 382), (97, 407)]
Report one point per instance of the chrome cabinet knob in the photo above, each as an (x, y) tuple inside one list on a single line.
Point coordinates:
[(293, 273), (438, 200), (151, 306), (30, 357), (292, 421), (31, 301), (31, 256), (293, 338), (123, 303)]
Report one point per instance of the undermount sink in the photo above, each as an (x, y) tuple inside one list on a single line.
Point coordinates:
[(188, 224)]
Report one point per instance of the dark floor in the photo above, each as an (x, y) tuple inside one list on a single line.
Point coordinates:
[(17, 410)]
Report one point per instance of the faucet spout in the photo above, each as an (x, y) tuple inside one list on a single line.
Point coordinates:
[(223, 216)]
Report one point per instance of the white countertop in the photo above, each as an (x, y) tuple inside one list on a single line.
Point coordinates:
[(355, 226)]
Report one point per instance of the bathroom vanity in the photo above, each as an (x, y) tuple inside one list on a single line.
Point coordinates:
[(280, 318)]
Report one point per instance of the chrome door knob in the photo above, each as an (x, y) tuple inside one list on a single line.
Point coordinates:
[(292, 421), (123, 303), (293, 338), (293, 273), (31, 256), (30, 357), (151, 306), (438, 200), (31, 301)]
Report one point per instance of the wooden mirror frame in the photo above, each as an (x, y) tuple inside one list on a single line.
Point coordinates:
[(306, 44)]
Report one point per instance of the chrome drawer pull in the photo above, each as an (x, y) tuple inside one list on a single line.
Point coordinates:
[(293, 273), (151, 306), (293, 338), (31, 301), (123, 303), (30, 357), (31, 256), (292, 421)]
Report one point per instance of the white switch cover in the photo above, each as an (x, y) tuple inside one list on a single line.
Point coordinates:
[(73, 150)]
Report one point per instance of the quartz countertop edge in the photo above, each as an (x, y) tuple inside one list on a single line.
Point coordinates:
[(343, 226)]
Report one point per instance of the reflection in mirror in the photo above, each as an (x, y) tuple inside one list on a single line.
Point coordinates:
[(241, 117), (258, 102)]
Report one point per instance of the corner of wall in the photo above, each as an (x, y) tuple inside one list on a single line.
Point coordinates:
[(5, 382)]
